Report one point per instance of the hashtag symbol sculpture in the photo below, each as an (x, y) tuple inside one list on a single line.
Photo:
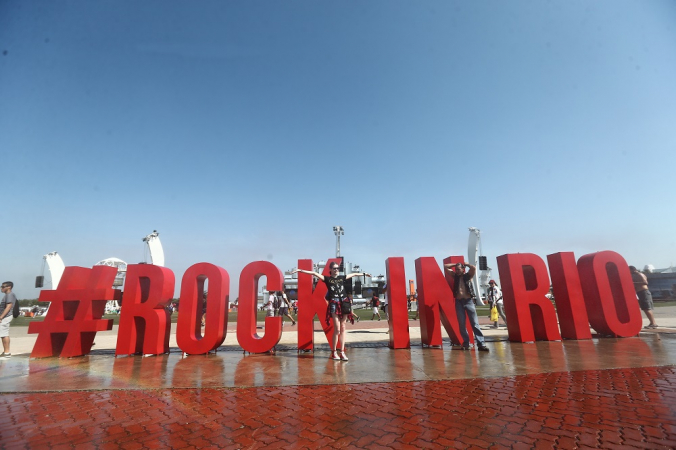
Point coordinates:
[(74, 317)]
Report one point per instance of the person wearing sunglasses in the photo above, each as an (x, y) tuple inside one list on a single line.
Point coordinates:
[(337, 309)]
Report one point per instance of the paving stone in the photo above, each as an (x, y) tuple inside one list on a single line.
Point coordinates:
[(628, 408)]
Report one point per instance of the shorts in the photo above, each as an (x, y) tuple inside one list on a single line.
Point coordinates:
[(269, 313), (4, 325), (645, 300), (375, 310), (284, 310), (333, 307)]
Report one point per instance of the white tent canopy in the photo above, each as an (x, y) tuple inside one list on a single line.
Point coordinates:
[(120, 265)]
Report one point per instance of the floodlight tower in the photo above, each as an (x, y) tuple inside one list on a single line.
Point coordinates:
[(474, 253), (338, 231), (155, 248)]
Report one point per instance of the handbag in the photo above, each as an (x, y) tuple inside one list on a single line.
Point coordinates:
[(346, 306), (494, 314)]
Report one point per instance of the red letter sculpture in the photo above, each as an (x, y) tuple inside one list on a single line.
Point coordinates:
[(436, 302), (246, 318), (74, 317), (310, 303), (525, 282), (188, 329), (609, 293), (145, 323), (570, 304), (396, 293)]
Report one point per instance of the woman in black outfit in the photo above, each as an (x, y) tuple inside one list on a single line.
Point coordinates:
[(336, 296)]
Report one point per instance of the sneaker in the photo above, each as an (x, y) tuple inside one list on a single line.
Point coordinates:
[(343, 356), (335, 356), (6, 355), (650, 327), (460, 347), (483, 348)]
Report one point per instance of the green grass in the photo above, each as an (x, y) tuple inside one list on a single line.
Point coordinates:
[(660, 304)]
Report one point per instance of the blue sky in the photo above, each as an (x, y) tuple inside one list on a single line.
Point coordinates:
[(246, 130)]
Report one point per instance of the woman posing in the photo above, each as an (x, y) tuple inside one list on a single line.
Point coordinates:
[(336, 295)]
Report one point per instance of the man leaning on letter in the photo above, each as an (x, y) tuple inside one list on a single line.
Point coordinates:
[(465, 303)]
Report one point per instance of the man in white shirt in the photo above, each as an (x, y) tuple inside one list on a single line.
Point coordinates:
[(270, 305), (6, 306)]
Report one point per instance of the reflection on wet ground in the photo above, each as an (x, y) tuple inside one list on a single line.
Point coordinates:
[(367, 364)]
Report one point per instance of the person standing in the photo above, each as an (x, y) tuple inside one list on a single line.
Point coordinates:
[(269, 307), (355, 316), (375, 304), (645, 298), (337, 297), (415, 306), (284, 306), (495, 299), (464, 303), (6, 306), (385, 308)]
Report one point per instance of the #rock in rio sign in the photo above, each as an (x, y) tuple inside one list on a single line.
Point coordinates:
[(597, 291)]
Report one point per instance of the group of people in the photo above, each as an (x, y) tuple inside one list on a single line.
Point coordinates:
[(6, 307), (278, 304)]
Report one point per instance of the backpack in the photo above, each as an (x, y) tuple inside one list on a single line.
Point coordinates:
[(16, 311)]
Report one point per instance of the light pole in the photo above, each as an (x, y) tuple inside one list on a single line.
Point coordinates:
[(338, 231)]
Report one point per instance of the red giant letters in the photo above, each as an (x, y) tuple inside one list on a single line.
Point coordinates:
[(310, 303), (532, 316), (597, 291), (145, 324), (188, 329), (397, 303), (246, 318), (437, 302), (73, 319), (609, 293), (570, 305)]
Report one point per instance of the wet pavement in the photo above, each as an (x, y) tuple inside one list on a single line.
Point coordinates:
[(598, 393), (618, 408)]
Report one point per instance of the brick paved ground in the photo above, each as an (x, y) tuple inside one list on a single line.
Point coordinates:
[(620, 408)]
